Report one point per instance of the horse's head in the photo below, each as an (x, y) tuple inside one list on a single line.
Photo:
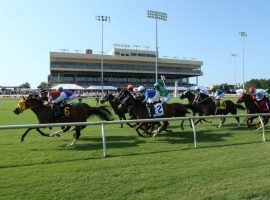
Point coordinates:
[(26, 103), (186, 94), (244, 98), (127, 101), (107, 97)]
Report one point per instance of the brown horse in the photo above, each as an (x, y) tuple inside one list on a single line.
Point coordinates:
[(252, 107), (207, 106), (141, 111), (115, 102), (191, 96), (76, 113)]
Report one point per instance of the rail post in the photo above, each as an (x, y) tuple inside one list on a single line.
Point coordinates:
[(194, 132), (103, 140), (262, 128)]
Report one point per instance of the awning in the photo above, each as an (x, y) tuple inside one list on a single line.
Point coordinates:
[(68, 87), (97, 87)]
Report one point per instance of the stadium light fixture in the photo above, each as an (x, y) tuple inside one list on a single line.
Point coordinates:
[(243, 35), (157, 16), (234, 55), (102, 19)]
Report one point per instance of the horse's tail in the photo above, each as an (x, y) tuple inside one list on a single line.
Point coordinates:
[(102, 112), (240, 107)]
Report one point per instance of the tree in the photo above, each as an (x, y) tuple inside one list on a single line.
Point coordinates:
[(43, 85), (258, 83), (25, 85)]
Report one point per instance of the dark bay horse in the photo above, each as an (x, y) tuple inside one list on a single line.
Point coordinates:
[(77, 113), (252, 107), (115, 102), (141, 111), (207, 106), (191, 96)]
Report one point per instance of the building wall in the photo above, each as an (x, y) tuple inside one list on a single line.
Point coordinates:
[(85, 69)]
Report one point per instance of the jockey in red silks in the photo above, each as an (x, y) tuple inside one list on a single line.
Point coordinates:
[(251, 91)]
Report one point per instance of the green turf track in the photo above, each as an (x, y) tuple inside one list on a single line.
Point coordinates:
[(230, 163)]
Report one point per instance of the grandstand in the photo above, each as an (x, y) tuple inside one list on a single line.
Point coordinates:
[(122, 66)]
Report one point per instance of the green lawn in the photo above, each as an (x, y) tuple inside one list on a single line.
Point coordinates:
[(229, 163)]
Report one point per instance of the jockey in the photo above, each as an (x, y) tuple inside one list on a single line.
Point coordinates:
[(163, 93), (217, 94), (44, 95), (252, 90), (64, 95), (240, 92), (260, 95), (201, 89), (150, 96), (131, 89)]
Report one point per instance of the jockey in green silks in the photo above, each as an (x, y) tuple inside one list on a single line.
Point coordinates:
[(164, 93)]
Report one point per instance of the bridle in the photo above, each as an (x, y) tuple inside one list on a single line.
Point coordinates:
[(196, 100)]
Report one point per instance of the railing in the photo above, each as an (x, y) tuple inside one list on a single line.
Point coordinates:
[(103, 123)]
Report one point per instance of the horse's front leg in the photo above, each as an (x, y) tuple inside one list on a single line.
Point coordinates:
[(222, 122), (121, 118), (181, 125), (42, 133), (160, 129), (25, 133), (76, 135), (140, 126)]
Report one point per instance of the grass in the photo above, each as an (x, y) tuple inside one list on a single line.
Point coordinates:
[(229, 163)]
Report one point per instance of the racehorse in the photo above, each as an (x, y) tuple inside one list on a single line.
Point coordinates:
[(141, 111), (252, 107), (207, 106), (76, 113), (190, 96), (115, 102)]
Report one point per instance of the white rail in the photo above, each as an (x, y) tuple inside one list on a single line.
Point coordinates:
[(103, 123)]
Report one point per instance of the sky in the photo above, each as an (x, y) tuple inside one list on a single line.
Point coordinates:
[(207, 30)]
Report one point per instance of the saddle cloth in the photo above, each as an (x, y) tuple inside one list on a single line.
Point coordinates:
[(264, 105), (222, 105), (158, 110)]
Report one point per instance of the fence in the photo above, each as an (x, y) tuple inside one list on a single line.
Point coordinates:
[(103, 123)]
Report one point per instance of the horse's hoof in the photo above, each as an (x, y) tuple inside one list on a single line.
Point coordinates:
[(21, 140)]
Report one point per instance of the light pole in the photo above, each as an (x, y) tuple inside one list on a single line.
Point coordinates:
[(102, 19), (234, 55), (243, 35), (157, 16)]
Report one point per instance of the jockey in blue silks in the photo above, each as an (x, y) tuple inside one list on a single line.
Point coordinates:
[(150, 97)]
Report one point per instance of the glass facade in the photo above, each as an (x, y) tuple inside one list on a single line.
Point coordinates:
[(119, 75), (124, 67)]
